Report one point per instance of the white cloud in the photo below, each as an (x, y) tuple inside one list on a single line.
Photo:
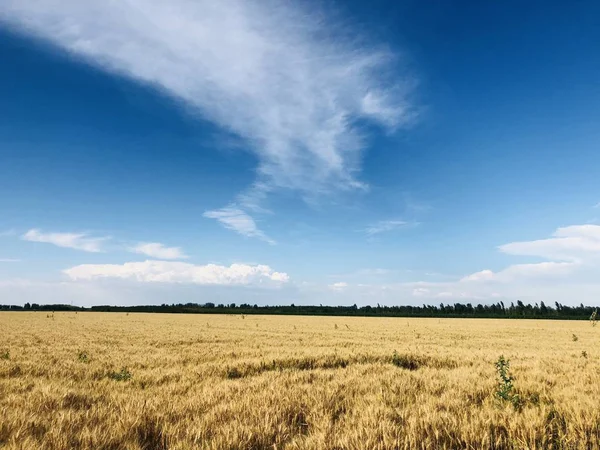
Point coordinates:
[(281, 75), (339, 286), (573, 243), (252, 198), (178, 272), (9, 260), (569, 274), (237, 220), (538, 270), (77, 241), (568, 250), (528, 271), (585, 231), (159, 251), (483, 275), (386, 225)]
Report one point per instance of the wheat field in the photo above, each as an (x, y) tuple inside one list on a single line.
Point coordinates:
[(158, 381)]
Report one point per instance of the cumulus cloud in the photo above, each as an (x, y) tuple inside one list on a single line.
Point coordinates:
[(77, 241), (153, 271), (281, 75), (237, 220), (158, 250)]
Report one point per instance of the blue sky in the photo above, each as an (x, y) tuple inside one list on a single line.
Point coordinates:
[(278, 152)]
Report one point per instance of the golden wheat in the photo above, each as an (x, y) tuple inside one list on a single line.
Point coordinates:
[(156, 381)]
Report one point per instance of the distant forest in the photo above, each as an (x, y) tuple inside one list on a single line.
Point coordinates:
[(498, 310)]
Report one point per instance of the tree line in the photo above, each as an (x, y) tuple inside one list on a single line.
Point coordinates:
[(494, 310)]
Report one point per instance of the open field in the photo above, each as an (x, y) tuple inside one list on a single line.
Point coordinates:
[(155, 381)]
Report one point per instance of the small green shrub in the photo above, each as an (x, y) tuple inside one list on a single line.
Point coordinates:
[(505, 389), (574, 337), (584, 354), (123, 375), (5, 355)]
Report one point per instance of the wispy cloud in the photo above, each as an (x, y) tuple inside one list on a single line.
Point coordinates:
[(573, 255), (179, 272), (239, 221), (252, 199), (77, 241), (158, 250), (573, 243), (524, 271), (570, 249), (9, 260), (7, 233), (281, 75), (387, 225), (569, 274)]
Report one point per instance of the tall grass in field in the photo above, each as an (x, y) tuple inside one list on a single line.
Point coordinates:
[(143, 381)]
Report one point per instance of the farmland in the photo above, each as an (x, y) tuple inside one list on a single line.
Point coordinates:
[(158, 381)]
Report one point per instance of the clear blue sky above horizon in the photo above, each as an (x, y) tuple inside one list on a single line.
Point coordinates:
[(294, 152)]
